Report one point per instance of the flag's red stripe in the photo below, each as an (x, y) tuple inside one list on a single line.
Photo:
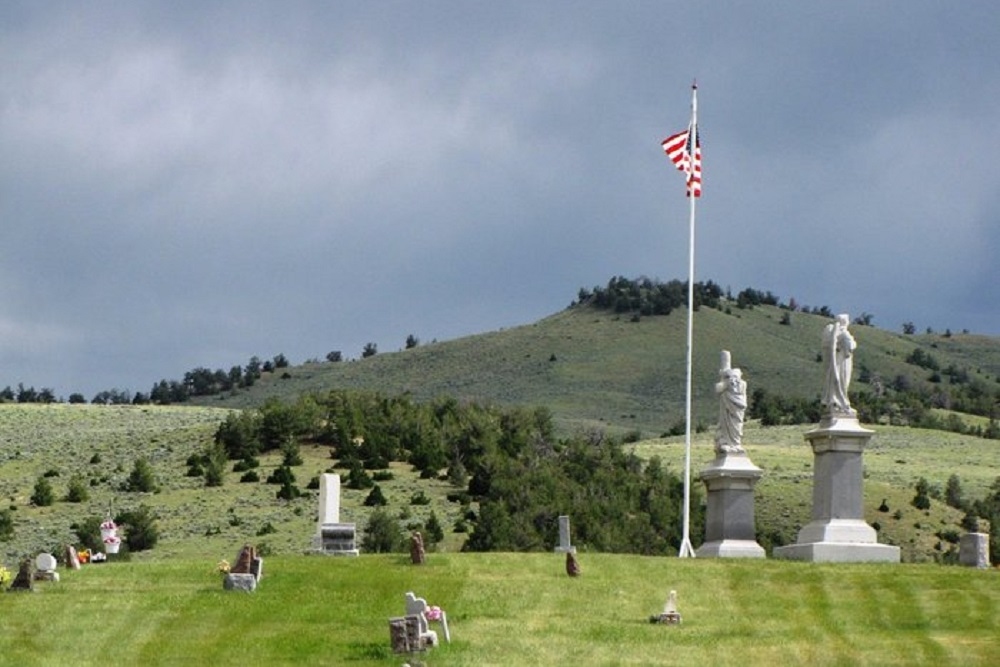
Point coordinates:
[(676, 148)]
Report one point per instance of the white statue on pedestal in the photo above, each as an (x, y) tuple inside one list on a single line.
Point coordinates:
[(732, 391), (838, 356)]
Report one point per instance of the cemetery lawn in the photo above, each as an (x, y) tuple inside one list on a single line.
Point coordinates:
[(509, 609)]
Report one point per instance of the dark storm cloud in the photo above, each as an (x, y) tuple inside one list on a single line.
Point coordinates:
[(187, 184)]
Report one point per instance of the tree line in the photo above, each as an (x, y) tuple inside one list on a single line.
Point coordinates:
[(509, 461)]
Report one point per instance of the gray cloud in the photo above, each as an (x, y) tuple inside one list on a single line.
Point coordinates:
[(186, 185)]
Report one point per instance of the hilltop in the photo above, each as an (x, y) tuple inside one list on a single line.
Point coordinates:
[(626, 373)]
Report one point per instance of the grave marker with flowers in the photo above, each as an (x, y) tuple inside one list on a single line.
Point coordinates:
[(109, 535)]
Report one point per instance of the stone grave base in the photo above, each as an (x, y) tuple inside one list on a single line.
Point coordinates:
[(729, 516), (240, 582), (405, 635), (731, 549), (336, 539), (666, 618), (839, 552)]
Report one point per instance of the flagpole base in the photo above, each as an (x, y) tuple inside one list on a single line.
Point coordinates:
[(687, 551)]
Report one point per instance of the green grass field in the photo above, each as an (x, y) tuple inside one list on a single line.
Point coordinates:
[(509, 609)]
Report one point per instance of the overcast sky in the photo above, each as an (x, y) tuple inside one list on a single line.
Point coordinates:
[(188, 184)]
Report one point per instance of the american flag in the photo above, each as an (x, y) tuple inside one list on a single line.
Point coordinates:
[(678, 149)]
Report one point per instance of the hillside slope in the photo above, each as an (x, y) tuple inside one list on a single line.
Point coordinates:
[(596, 368)]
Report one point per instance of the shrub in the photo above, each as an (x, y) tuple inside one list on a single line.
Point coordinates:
[(381, 534), (248, 463), (949, 535), (281, 475), (141, 479), (375, 497), (288, 491), (953, 493), (970, 522), (435, 533), (290, 453), (6, 525), (358, 478), (461, 497), (88, 533), (78, 491), (921, 500), (420, 498), (43, 496), (250, 476), (141, 531), (635, 435)]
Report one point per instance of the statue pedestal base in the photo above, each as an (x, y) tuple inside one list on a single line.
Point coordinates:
[(838, 532), (730, 530)]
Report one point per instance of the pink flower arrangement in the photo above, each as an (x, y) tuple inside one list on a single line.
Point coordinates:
[(433, 613)]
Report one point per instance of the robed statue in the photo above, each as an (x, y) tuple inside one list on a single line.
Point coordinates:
[(838, 357), (732, 391)]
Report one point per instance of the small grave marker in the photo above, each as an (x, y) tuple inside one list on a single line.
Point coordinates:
[(670, 615)]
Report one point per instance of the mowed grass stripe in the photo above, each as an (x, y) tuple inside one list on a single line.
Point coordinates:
[(508, 609)]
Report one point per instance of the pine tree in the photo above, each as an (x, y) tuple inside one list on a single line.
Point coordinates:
[(43, 495)]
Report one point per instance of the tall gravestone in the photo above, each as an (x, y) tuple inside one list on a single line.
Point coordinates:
[(838, 531), (730, 526), (332, 536), (564, 546)]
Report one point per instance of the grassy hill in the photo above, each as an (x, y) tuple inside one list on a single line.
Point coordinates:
[(101, 443), (510, 609), (593, 368)]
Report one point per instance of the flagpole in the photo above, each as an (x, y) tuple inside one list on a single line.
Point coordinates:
[(686, 550)]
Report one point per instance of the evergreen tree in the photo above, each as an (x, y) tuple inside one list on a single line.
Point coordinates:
[(6, 525), (141, 530), (953, 493), (43, 496), (141, 479), (382, 533), (433, 529), (78, 491), (375, 497), (211, 464), (922, 500)]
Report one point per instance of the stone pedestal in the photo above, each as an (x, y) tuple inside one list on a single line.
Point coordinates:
[(838, 531), (730, 527)]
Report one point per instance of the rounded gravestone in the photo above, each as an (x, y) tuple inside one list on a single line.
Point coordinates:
[(45, 562)]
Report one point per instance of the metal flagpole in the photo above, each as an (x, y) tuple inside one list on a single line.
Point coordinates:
[(686, 550)]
